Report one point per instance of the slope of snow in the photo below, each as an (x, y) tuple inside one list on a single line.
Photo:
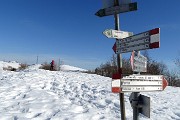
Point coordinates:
[(36, 94), (71, 68), (12, 64)]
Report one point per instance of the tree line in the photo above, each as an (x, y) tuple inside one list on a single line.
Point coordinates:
[(153, 68)]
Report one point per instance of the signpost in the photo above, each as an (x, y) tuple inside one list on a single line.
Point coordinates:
[(138, 62), (110, 33), (117, 9), (125, 43), (142, 41), (139, 83)]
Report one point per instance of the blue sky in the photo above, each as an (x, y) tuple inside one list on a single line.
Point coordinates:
[(68, 30)]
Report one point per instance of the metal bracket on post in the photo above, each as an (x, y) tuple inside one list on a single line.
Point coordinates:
[(140, 104), (145, 102), (134, 100)]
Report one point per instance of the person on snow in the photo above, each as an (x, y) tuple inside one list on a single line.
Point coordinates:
[(52, 65)]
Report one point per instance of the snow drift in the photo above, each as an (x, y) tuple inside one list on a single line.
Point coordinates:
[(12, 64), (36, 94), (71, 68)]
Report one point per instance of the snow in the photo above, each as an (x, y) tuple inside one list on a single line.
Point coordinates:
[(71, 68), (1, 70), (36, 94), (12, 64)]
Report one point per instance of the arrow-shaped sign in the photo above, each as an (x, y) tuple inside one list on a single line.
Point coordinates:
[(139, 83), (142, 41), (117, 9), (110, 33)]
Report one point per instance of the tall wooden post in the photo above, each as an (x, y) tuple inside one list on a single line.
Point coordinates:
[(119, 64)]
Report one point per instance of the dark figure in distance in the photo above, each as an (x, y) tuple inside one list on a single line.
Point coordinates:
[(52, 65)]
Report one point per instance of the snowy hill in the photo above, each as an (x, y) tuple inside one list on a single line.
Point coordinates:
[(12, 64), (71, 68), (37, 94)]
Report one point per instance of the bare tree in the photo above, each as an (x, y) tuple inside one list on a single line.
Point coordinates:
[(177, 61)]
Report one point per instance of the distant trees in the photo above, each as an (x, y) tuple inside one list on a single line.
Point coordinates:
[(175, 74), (177, 62), (110, 67), (153, 68), (47, 66)]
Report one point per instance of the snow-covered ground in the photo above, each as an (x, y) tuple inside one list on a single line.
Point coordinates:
[(36, 94), (9, 64), (71, 68)]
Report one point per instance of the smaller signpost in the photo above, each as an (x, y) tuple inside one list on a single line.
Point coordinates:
[(138, 62), (139, 83), (110, 33)]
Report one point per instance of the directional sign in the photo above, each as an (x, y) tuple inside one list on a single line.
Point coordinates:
[(116, 34), (117, 9), (139, 83), (144, 77), (138, 62), (141, 88), (142, 41)]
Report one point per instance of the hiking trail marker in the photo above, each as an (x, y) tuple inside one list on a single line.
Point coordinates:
[(110, 33), (138, 62), (142, 41), (139, 83), (127, 42)]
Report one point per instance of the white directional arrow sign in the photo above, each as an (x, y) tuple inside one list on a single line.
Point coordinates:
[(142, 41), (110, 33), (139, 83)]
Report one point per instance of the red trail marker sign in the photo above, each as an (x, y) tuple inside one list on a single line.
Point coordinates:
[(139, 83), (142, 41)]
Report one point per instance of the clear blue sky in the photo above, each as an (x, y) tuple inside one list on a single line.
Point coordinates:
[(69, 30)]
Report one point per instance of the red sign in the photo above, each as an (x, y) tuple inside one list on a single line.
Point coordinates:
[(116, 83)]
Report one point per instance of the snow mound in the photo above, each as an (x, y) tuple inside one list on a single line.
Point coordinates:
[(12, 64), (71, 68), (34, 67)]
